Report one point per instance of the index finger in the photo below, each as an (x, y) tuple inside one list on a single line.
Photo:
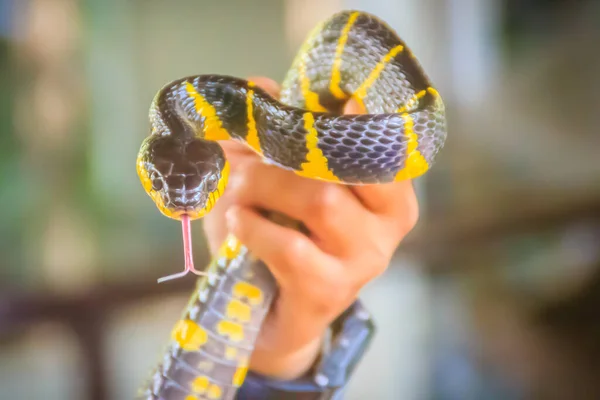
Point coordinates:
[(266, 84), (388, 198)]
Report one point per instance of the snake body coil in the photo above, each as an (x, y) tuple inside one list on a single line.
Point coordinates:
[(184, 170)]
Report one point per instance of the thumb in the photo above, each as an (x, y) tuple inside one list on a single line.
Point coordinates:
[(354, 107)]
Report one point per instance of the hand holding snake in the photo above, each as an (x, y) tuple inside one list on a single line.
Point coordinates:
[(313, 242), (354, 231)]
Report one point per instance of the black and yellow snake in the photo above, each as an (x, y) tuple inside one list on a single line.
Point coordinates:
[(182, 167)]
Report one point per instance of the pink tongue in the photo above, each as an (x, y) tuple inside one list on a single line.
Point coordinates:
[(186, 229)]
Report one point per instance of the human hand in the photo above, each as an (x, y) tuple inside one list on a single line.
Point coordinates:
[(354, 231)]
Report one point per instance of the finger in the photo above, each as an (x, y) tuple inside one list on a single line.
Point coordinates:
[(304, 274), (237, 154), (394, 201), (235, 149), (384, 198), (354, 107), (289, 254), (214, 222), (331, 212), (268, 85)]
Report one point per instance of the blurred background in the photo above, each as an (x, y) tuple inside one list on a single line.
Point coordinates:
[(496, 293)]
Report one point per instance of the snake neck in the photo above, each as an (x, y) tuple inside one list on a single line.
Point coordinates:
[(210, 107), (349, 149)]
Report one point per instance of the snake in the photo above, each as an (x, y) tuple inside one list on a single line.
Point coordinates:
[(352, 55)]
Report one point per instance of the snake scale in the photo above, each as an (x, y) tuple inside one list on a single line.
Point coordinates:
[(351, 55)]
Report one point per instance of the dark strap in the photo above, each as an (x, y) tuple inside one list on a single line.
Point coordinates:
[(351, 335)]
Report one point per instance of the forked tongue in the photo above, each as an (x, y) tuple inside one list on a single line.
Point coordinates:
[(186, 229)]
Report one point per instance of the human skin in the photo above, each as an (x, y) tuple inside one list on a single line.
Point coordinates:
[(354, 231)]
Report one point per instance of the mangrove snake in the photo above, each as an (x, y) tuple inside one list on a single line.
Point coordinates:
[(184, 170)]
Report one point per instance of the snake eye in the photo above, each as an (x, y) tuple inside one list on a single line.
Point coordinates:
[(157, 183), (211, 183)]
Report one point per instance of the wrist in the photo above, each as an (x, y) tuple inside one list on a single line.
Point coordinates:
[(286, 365), (347, 339)]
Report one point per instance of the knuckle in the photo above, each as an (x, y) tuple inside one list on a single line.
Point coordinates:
[(247, 170), (242, 180), (293, 252), (380, 263), (324, 202), (411, 215)]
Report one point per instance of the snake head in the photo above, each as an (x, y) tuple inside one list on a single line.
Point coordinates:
[(184, 176)]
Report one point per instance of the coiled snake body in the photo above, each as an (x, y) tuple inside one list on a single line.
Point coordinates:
[(182, 167)]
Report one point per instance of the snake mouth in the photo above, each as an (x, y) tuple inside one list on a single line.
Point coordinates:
[(190, 213), (192, 203)]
